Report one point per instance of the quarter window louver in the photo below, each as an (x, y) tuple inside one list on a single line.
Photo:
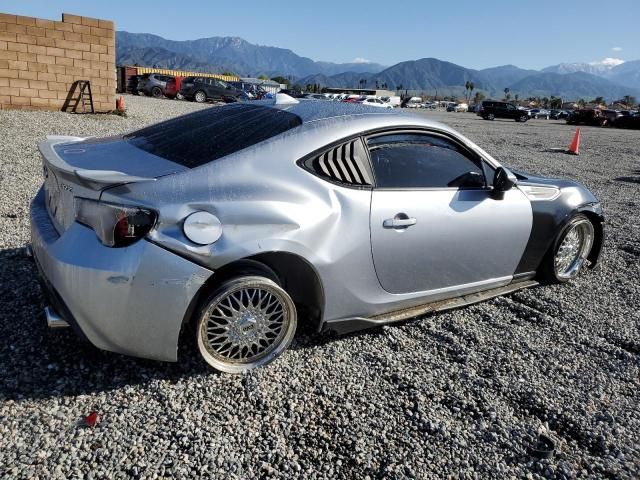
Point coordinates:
[(345, 164)]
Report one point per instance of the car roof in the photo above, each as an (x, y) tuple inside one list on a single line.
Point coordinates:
[(313, 111), (341, 116)]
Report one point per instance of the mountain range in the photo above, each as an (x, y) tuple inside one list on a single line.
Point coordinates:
[(610, 78)]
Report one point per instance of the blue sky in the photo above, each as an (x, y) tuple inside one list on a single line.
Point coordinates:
[(475, 34)]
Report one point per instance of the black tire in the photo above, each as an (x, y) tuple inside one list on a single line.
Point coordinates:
[(258, 327), (485, 117), (548, 272), (522, 118), (156, 92), (491, 117), (200, 96)]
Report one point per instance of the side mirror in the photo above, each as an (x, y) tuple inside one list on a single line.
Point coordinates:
[(503, 180)]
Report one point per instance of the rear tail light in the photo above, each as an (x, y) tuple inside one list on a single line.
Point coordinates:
[(115, 225)]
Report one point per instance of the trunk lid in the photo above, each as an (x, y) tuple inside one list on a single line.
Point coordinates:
[(85, 167)]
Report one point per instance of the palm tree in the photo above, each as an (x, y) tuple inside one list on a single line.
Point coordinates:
[(466, 89), (471, 87), (506, 94)]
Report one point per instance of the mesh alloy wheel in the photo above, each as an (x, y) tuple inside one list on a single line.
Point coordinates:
[(573, 248), (246, 323)]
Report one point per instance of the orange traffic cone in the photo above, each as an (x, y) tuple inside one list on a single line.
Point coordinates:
[(120, 104), (574, 148)]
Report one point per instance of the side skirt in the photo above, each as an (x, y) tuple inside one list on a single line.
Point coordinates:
[(348, 325)]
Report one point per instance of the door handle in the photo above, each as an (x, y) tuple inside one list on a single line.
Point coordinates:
[(396, 222)]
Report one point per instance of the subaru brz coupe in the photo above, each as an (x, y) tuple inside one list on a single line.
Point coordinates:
[(229, 226)]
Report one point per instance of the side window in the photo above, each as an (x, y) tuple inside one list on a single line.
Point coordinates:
[(422, 161), (346, 164), (510, 107)]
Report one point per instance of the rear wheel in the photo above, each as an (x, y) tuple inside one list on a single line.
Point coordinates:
[(200, 96), (179, 96), (246, 322), (569, 251), (491, 116), (156, 92)]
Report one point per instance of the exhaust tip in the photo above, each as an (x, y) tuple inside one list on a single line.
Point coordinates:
[(53, 319)]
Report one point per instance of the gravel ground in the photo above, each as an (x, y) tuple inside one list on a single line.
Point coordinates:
[(462, 394)]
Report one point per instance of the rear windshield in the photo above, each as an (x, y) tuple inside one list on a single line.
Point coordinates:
[(201, 137)]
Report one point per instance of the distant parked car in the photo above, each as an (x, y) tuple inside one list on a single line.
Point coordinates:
[(413, 102), (591, 116), (375, 102), (153, 84), (539, 113), (457, 107), (628, 121), (558, 114), (202, 89), (394, 101), (315, 96), (492, 109), (611, 116), (172, 90), (474, 108)]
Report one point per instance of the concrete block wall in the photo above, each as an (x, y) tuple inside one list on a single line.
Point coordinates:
[(40, 60)]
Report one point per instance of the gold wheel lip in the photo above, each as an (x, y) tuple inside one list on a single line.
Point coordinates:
[(234, 366), (586, 232)]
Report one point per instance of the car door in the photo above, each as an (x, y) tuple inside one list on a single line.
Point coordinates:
[(435, 224), (511, 111)]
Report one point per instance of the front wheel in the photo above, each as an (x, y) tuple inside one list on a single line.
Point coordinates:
[(200, 96), (179, 96), (491, 116), (246, 323), (569, 251), (156, 92), (522, 118)]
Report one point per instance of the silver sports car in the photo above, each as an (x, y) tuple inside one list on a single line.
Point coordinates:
[(230, 226)]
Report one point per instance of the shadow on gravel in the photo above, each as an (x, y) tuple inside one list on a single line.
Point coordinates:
[(628, 179)]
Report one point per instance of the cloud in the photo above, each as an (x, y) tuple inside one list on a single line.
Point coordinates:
[(360, 60), (608, 62), (616, 49)]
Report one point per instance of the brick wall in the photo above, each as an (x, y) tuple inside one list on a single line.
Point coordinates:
[(41, 59)]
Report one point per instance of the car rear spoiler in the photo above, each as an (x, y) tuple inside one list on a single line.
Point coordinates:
[(96, 179)]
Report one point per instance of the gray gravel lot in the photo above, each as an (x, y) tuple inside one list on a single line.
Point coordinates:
[(461, 394)]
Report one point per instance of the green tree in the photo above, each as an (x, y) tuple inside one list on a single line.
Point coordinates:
[(598, 100), (581, 103), (507, 96), (629, 100), (478, 97), (516, 97), (280, 79), (229, 74), (263, 77)]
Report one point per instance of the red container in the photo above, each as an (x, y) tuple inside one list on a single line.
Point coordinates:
[(173, 87)]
